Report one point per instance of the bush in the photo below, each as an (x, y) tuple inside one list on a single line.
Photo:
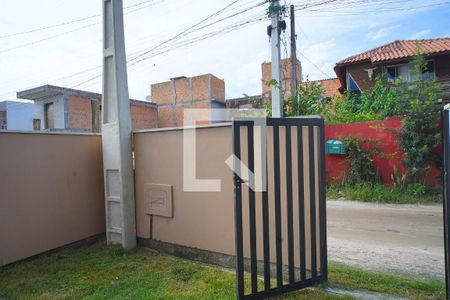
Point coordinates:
[(360, 160), (420, 132)]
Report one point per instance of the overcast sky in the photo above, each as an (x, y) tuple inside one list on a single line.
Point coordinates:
[(67, 55)]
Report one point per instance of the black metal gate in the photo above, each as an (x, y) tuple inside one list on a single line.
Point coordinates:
[(280, 232)]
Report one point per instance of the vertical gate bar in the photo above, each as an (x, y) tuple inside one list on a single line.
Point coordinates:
[(251, 210), (312, 206), (322, 203), (290, 217), (277, 196), (265, 217), (301, 202), (238, 213), (446, 192)]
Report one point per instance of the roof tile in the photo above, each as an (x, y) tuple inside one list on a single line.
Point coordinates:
[(398, 50)]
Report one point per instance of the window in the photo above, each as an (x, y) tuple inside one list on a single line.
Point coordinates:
[(406, 72), (352, 86), (49, 116)]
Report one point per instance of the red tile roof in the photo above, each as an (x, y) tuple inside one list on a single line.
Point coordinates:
[(398, 50)]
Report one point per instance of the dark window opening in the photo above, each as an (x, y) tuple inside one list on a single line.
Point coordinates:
[(49, 116)]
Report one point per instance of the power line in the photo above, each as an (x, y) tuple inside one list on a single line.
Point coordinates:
[(67, 22), (191, 28), (180, 45), (146, 54), (317, 67), (67, 32)]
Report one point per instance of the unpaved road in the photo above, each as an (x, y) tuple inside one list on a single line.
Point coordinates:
[(404, 239)]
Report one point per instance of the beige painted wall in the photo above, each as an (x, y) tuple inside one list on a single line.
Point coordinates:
[(205, 220), (51, 192)]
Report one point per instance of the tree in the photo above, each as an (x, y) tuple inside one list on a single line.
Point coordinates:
[(308, 100), (418, 100)]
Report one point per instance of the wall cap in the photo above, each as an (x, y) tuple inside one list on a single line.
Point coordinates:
[(218, 125), (49, 132)]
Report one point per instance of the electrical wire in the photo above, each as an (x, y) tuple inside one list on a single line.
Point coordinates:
[(66, 32), (67, 22), (178, 41), (146, 54)]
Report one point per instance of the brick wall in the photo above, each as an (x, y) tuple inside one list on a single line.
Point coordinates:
[(180, 93), (162, 93), (143, 115), (183, 89), (330, 86), (286, 75), (361, 76), (199, 89), (217, 88), (79, 113)]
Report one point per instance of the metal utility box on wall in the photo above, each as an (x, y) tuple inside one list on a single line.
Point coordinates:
[(158, 200), (335, 147)]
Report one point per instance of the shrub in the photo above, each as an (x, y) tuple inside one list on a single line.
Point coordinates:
[(420, 132), (360, 159)]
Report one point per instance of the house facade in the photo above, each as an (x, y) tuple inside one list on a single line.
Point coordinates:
[(63, 109), (179, 93), (16, 115), (394, 60)]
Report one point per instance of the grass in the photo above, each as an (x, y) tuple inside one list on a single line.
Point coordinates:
[(381, 194), (352, 278), (100, 272)]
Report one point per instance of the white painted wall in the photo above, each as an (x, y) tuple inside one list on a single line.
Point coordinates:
[(58, 110)]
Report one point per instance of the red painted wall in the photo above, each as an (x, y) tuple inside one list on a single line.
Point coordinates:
[(382, 131)]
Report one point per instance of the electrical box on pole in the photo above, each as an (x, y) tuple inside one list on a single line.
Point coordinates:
[(275, 30), (116, 131)]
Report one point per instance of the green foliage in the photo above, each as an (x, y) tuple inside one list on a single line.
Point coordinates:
[(308, 100), (380, 193), (375, 104), (341, 110), (360, 160), (416, 189), (420, 132)]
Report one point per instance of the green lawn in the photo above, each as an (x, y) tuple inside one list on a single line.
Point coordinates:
[(100, 272)]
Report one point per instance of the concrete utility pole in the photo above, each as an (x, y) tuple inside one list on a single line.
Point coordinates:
[(116, 131), (275, 9), (294, 81)]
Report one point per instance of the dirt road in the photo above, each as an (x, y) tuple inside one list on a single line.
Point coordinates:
[(404, 239)]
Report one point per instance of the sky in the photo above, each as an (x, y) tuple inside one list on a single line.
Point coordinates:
[(165, 39)]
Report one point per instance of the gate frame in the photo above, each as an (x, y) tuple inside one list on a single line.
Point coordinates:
[(446, 192), (293, 285)]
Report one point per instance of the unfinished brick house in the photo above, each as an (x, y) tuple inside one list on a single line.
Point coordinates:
[(172, 97), (286, 76), (330, 86), (65, 109), (258, 101), (359, 72)]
